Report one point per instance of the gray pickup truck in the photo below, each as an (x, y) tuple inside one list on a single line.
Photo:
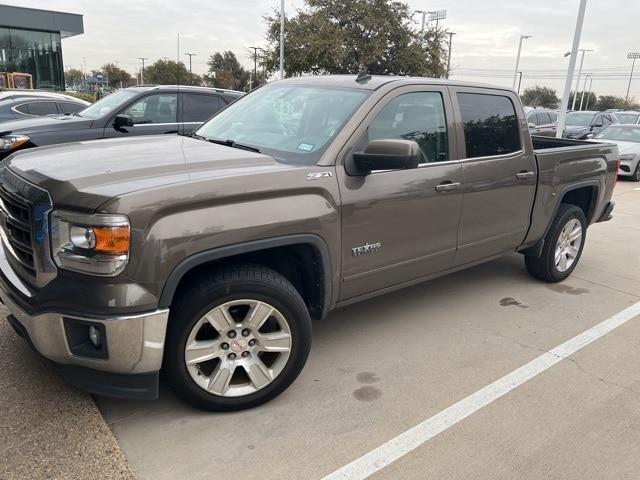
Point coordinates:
[(208, 256)]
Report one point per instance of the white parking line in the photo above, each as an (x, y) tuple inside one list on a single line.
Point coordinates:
[(637, 188), (411, 439)]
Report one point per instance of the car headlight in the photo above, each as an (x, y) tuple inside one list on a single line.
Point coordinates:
[(627, 157), (11, 142), (96, 244)]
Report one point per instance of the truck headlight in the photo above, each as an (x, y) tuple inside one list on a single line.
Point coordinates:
[(96, 244), (11, 142)]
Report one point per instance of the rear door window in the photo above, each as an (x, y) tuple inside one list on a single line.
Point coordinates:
[(70, 107), (543, 118), (42, 108), (490, 124), (198, 107)]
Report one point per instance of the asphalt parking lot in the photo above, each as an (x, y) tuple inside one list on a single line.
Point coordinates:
[(384, 366)]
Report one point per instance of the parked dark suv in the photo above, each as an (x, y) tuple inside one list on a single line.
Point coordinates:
[(142, 110), (587, 124)]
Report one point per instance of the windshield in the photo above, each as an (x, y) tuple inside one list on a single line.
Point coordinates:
[(622, 134), (108, 104), (579, 119), (627, 117), (292, 123)]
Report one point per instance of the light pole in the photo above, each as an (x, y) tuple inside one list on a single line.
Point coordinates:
[(255, 62), (281, 39), (515, 73), (586, 106), (572, 65), (142, 71), (633, 56), (584, 87), (190, 55), (519, 81), (575, 95), (451, 34)]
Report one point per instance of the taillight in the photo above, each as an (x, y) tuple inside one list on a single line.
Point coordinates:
[(615, 177)]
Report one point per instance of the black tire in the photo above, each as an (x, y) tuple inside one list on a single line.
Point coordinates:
[(636, 174), (544, 267), (227, 284)]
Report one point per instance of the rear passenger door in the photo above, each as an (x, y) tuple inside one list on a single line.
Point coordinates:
[(197, 108), (499, 171), (545, 126)]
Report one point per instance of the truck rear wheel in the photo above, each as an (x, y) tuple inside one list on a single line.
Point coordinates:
[(237, 339), (563, 246)]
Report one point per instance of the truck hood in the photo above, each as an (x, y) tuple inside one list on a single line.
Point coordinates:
[(86, 174), (44, 124)]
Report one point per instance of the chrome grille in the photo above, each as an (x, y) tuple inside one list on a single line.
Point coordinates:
[(24, 228), (16, 223)]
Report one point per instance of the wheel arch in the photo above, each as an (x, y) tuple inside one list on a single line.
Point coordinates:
[(313, 281)]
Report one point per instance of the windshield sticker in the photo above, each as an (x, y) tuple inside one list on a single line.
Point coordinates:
[(307, 147)]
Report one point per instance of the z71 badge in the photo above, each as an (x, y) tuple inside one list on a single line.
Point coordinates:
[(366, 249)]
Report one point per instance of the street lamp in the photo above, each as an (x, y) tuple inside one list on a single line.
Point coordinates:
[(631, 56), (584, 87), (586, 106), (515, 73), (562, 117), (583, 50), (281, 39), (142, 71)]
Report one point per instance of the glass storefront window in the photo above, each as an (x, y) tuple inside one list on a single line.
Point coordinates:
[(34, 52)]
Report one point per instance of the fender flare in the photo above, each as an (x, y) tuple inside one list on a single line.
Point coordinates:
[(186, 265)]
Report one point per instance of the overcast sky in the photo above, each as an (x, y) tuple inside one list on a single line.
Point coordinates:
[(484, 46)]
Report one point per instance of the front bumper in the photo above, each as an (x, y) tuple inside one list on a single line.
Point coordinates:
[(627, 167)]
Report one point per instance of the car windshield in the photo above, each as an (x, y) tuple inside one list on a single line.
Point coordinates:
[(292, 123), (108, 104), (627, 117), (622, 134), (579, 119)]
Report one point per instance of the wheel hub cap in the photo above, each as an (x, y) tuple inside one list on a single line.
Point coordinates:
[(238, 348), (568, 245)]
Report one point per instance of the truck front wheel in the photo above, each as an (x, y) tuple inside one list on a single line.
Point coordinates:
[(563, 246), (236, 339)]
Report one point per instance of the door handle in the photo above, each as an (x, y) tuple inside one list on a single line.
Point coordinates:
[(525, 175), (447, 186)]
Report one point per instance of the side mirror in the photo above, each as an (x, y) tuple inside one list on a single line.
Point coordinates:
[(596, 125), (121, 121), (385, 155), (590, 135), (531, 125)]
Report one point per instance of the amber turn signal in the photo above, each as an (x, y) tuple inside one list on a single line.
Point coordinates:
[(111, 240)]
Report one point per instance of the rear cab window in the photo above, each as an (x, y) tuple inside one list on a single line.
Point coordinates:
[(490, 124)]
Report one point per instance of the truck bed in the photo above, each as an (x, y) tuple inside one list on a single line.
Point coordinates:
[(566, 163)]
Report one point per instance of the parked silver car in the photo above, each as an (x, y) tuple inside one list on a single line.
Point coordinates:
[(627, 137)]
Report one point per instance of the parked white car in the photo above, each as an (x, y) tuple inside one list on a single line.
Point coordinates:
[(627, 137)]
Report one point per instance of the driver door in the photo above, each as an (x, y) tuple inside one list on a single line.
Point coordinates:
[(152, 114), (402, 225)]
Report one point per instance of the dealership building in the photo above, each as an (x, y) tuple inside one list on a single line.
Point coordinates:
[(30, 42)]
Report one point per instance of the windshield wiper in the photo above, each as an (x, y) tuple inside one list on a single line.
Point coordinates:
[(233, 144)]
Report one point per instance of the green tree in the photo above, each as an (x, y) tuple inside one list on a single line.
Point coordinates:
[(169, 72), (73, 76), (540, 97), (347, 36), (606, 102), (225, 71), (117, 77)]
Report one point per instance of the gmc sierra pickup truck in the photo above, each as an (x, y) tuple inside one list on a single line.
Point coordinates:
[(209, 255)]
